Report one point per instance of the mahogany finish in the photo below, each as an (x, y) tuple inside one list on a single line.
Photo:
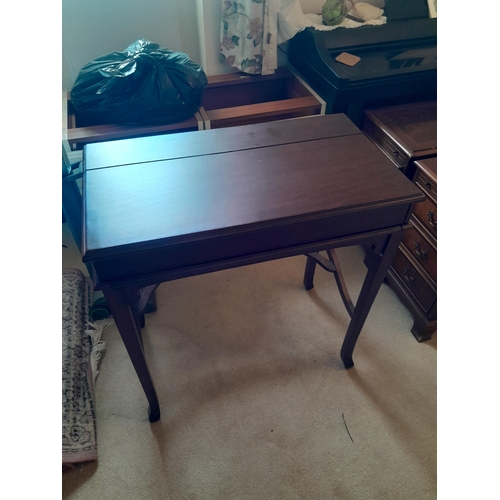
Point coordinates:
[(78, 135), (167, 207), (405, 133), (413, 274), (228, 100), (191, 144), (240, 99)]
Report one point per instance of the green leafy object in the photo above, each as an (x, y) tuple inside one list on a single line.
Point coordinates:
[(333, 12)]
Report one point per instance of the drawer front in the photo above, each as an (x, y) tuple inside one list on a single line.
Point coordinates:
[(396, 153), (426, 212), (422, 251), (427, 185), (414, 282)]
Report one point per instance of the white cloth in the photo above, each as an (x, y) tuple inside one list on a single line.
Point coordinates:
[(251, 31), (292, 20)]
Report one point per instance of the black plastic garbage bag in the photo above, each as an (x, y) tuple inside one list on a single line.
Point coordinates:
[(144, 84)]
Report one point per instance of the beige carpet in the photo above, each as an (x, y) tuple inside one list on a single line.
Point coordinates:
[(255, 401)]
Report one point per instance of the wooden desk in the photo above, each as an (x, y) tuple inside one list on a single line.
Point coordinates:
[(167, 207)]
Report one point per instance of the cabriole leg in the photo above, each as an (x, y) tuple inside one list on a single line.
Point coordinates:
[(374, 279), (127, 324)]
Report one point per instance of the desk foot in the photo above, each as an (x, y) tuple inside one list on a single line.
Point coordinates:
[(123, 308), (154, 414), (347, 360), (422, 329), (309, 273)]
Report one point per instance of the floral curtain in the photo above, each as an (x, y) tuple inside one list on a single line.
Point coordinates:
[(248, 35)]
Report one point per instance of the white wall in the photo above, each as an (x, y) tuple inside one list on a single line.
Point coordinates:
[(91, 28), (209, 26), (311, 6), (188, 29)]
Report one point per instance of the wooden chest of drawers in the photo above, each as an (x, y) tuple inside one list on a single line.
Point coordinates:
[(413, 274), (407, 134)]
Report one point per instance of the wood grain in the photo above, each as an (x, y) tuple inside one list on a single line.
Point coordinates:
[(222, 194), (168, 147)]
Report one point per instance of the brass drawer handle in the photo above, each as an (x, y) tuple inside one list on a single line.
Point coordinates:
[(421, 253), (407, 277), (430, 216)]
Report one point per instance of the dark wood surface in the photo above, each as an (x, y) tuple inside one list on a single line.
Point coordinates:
[(177, 199), (78, 135), (413, 273), (405, 133), (426, 177), (192, 196), (240, 99), (422, 249), (283, 184), (414, 125), (103, 133), (263, 111), (429, 168), (194, 143), (162, 208)]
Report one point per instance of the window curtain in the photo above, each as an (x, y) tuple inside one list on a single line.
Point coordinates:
[(249, 36)]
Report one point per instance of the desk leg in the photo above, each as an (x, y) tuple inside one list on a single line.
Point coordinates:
[(126, 320), (373, 281), (309, 273)]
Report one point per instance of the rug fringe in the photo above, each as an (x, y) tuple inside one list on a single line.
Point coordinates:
[(95, 332)]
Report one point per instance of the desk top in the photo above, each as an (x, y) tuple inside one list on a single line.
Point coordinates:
[(214, 194)]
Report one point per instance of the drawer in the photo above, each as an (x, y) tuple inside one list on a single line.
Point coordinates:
[(405, 132), (239, 99), (395, 151), (422, 251), (426, 177), (426, 213), (421, 289)]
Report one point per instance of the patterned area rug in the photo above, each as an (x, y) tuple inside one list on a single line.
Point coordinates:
[(81, 350)]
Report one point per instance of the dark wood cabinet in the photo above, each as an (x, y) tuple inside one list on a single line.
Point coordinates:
[(405, 133), (408, 135)]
